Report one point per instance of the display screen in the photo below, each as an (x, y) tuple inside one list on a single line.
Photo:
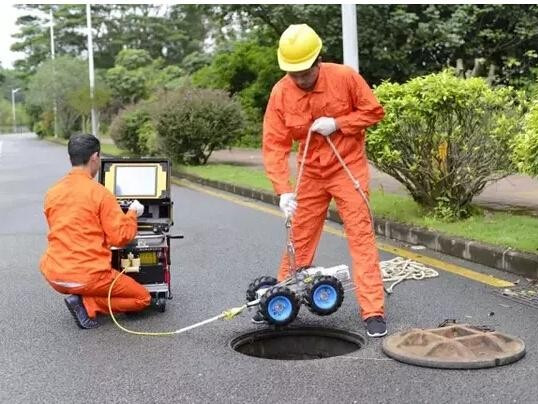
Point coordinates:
[(136, 181)]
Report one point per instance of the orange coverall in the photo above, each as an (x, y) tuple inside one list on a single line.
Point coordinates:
[(84, 220), (340, 93)]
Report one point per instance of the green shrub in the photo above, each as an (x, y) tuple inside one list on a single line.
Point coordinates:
[(125, 129), (147, 139), (526, 143), (191, 123), (132, 59), (444, 138)]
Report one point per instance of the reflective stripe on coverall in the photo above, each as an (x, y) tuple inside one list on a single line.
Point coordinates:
[(84, 220), (341, 93)]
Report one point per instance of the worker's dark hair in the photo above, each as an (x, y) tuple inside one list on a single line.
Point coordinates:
[(81, 147)]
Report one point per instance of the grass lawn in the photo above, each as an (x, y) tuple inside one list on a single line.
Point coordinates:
[(239, 175), (503, 229)]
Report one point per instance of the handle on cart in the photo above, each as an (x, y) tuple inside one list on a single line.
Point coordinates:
[(177, 236), (149, 236)]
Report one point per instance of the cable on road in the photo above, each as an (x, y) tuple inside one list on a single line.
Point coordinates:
[(225, 315)]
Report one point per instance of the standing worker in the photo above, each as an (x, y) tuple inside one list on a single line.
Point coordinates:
[(84, 220), (330, 100)]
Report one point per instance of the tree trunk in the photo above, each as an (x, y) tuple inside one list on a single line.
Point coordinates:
[(491, 74)]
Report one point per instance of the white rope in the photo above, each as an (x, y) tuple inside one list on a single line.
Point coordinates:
[(399, 269)]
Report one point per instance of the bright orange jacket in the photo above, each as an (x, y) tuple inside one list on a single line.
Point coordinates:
[(341, 93), (84, 221)]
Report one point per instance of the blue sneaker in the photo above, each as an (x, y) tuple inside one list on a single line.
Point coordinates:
[(79, 313)]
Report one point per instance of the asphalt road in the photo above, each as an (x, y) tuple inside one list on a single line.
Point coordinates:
[(44, 357)]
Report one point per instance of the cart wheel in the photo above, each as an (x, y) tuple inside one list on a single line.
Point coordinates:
[(259, 283), (279, 305), (160, 305), (324, 295)]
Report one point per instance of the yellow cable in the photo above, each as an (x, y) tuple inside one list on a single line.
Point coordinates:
[(151, 334), (226, 315)]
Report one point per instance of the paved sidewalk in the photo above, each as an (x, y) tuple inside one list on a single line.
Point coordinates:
[(515, 192)]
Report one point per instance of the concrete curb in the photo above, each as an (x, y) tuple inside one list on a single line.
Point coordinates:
[(504, 259)]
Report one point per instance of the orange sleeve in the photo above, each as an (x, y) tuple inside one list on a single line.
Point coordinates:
[(277, 142), (119, 227), (366, 109)]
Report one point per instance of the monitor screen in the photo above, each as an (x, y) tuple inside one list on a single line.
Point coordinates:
[(136, 181)]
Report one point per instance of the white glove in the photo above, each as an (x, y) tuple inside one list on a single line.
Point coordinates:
[(288, 204), (137, 207), (324, 126)]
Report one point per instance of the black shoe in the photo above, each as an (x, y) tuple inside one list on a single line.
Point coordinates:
[(376, 326), (79, 313), (258, 318)]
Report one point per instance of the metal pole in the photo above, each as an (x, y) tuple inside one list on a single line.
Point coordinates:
[(52, 56), (349, 35), (13, 92), (90, 67)]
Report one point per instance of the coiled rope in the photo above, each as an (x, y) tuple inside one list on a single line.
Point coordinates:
[(399, 269)]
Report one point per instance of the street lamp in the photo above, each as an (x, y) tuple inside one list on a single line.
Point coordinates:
[(13, 92), (90, 68), (349, 35), (52, 53)]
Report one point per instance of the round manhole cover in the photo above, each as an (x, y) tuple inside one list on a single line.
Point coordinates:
[(454, 347), (298, 343)]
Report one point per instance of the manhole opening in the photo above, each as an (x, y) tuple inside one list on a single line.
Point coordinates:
[(303, 343)]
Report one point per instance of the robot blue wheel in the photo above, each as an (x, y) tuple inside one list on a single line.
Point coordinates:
[(279, 306), (325, 295)]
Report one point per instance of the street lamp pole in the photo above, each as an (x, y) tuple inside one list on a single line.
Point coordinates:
[(52, 56), (13, 92), (349, 35), (90, 68)]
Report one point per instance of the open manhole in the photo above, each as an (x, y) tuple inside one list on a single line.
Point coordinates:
[(303, 343), (454, 347)]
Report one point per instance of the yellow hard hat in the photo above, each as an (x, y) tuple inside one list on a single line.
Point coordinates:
[(298, 48)]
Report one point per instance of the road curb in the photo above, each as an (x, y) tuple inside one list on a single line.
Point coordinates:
[(504, 259)]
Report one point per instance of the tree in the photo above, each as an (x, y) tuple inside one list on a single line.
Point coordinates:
[(6, 116), (168, 32), (135, 76), (246, 70), (127, 79), (10, 80), (398, 42), (62, 80), (80, 100), (268, 21)]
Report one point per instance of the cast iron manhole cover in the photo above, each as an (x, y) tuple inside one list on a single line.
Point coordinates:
[(527, 295), (454, 347), (298, 343)]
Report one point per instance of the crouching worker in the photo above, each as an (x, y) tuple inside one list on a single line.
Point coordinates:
[(84, 220)]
